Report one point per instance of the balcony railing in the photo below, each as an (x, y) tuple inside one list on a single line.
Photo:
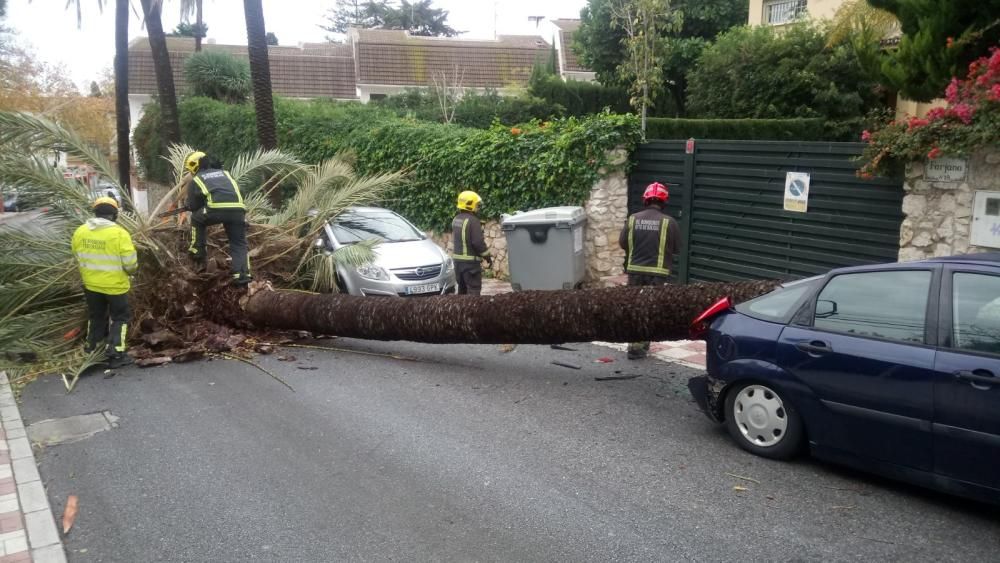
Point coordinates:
[(784, 11)]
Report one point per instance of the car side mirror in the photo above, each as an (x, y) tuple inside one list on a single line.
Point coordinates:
[(825, 308)]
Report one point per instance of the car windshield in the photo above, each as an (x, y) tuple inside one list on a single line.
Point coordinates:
[(778, 305), (355, 226)]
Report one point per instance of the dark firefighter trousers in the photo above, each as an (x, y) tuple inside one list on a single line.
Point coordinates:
[(469, 275), (102, 308), (642, 348), (235, 224)]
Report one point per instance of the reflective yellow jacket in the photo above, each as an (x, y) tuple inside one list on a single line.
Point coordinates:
[(106, 256)]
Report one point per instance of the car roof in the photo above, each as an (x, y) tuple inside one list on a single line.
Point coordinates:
[(979, 259), (363, 209)]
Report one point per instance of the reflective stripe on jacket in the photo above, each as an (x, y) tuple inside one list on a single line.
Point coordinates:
[(467, 238), (214, 189), (650, 240), (106, 256)]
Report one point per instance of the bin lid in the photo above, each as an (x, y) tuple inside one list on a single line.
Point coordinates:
[(546, 216)]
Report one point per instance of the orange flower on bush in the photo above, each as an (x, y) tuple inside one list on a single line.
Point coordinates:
[(515, 131)]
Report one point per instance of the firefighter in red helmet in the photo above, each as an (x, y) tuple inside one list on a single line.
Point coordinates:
[(650, 239)]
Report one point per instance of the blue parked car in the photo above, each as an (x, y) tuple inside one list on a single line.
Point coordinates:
[(893, 369)]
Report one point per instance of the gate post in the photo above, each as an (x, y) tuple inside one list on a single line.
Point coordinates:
[(687, 195)]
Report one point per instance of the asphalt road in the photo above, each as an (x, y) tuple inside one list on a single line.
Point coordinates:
[(471, 455), (20, 221)]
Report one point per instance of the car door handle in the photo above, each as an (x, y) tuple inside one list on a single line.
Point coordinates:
[(978, 376), (814, 347)]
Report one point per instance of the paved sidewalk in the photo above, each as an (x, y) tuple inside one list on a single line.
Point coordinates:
[(690, 353), (27, 528)]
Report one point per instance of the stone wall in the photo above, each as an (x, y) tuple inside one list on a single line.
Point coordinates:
[(607, 210), (939, 212)]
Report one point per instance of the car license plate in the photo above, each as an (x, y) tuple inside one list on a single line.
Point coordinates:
[(425, 288)]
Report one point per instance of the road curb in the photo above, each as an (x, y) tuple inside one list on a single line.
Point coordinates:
[(27, 526)]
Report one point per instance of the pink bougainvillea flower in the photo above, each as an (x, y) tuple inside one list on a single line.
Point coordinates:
[(951, 92), (995, 93), (916, 122), (934, 153), (964, 113), (936, 113), (950, 42), (866, 135)]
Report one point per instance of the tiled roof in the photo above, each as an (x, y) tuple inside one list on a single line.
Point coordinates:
[(317, 70), (566, 30), (399, 59)]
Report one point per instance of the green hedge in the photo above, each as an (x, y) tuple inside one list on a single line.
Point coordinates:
[(580, 98), (741, 129), (540, 164), (473, 110)]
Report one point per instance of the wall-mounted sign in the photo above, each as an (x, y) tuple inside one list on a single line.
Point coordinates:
[(946, 169), (986, 219), (797, 191)]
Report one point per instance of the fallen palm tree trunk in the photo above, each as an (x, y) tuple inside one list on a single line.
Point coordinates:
[(621, 314)]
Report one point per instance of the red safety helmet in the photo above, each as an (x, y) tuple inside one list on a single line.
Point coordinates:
[(655, 192)]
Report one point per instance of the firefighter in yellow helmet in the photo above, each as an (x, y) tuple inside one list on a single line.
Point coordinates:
[(469, 244), (106, 256), (214, 198)]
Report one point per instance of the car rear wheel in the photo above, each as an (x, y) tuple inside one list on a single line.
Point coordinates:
[(763, 422)]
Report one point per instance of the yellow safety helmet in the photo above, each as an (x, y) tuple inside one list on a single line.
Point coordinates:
[(193, 161), (469, 201), (105, 201)]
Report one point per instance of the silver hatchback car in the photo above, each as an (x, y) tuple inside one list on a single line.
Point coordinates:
[(407, 263)]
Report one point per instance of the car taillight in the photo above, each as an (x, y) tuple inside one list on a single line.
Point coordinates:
[(699, 326)]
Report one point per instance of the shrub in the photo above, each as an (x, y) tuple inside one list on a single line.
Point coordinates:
[(744, 129), (970, 121), (758, 72), (481, 110), (149, 146), (473, 110), (218, 75), (580, 98), (537, 164)]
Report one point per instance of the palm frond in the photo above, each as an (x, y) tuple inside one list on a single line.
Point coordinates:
[(188, 8), (364, 190), (326, 190), (856, 17), (319, 268), (32, 135), (259, 208), (272, 161), (175, 157)]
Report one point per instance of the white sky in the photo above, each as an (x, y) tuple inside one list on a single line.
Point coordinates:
[(51, 30)]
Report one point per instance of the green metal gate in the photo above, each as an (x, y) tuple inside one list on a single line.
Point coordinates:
[(729, 198)]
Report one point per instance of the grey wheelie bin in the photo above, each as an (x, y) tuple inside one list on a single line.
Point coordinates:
[(545, 248)]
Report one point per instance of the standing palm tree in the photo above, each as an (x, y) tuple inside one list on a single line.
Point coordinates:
[(194, 6), (164, 75), (260, 73), (122, 114)]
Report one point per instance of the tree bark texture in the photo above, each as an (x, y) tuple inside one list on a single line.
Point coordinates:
[(198, 24), (164, 75), (260, 73), (620, 314), (122, 113)]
